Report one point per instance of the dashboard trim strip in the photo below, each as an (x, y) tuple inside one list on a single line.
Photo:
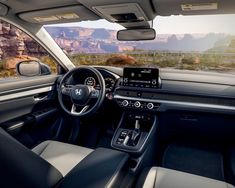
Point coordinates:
[(188, 104)]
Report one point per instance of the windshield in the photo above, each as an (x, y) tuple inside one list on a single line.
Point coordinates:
[(198, 43)]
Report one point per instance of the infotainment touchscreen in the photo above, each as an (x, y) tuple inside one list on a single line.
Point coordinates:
[(141, 77)]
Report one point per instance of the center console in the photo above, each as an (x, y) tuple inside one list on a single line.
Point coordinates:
[(137, 128), (134, 132), (139, 121)]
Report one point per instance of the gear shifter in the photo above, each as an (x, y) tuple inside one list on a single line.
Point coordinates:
[(135, 134)]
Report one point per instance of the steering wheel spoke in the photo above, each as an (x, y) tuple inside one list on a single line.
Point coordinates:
[(66, 89), (95, 93), (74, 109)]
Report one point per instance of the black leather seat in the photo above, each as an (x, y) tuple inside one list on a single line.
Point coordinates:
[(42, 168)]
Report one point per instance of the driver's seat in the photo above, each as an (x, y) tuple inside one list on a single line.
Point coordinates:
[(61, 155), (42, 167)]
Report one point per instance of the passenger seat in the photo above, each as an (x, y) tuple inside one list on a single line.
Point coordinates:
[(158, 177)]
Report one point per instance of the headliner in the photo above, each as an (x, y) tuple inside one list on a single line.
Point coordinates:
[(160, 7), (18, 6)]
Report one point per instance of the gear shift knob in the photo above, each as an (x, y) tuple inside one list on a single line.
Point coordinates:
[(137, 125), (135, 134)]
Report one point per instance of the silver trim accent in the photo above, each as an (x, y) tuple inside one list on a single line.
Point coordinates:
[(137, 104), (126, 103), (15, 126), (25, 88), (73, 110), (126, 140), (150, 106), (39, 99), (189, 104), (25, 93)]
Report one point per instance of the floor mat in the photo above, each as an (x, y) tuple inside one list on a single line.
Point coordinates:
[(203, 162)]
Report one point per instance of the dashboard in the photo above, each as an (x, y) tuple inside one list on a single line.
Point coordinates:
[(174, 90), (154, 90)]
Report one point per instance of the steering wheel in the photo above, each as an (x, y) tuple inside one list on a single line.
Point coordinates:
[(81, 94)]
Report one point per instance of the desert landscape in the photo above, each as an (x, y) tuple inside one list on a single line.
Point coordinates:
[(200, 52)]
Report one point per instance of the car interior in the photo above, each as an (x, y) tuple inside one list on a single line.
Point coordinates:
[(137, 127)]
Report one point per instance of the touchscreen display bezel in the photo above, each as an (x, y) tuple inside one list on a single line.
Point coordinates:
[(141, 77)]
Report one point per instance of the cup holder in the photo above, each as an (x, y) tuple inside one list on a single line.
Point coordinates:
[(133, 163)]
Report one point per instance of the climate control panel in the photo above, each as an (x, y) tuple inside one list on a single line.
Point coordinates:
[(135, 104)]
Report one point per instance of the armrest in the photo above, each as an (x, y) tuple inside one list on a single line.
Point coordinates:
[(101, 168), (231, 167)]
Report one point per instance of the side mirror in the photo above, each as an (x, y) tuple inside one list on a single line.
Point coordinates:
[(31, 68), (136, 34)]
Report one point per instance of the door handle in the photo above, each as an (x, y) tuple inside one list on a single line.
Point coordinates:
[(39, 99)]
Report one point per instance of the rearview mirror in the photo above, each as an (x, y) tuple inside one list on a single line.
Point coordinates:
[(31, 68), (136, 34)]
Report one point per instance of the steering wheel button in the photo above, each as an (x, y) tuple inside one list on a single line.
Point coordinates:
[(95, 93), (66, 91)]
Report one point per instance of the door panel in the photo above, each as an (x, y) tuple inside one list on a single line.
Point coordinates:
[(18, 98), (29, 109)]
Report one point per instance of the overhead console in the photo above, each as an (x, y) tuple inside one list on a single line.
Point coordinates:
[(121, 13), (128, 13)]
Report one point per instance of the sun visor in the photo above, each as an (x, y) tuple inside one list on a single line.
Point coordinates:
[(3, 9), (59, 15), (193, 7)]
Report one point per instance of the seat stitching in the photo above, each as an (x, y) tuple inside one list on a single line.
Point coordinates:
[(44, 148), (154, 185)]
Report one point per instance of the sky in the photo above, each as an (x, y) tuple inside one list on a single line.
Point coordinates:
[(176, 24)]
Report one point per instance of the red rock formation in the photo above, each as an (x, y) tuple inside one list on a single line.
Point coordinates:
[(16, 46), (120, 60)]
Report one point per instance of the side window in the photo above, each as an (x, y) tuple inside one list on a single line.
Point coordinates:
[(15, 47)]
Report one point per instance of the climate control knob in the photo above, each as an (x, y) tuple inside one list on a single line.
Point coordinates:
[(150, 106), (125, 103), (137, 104)]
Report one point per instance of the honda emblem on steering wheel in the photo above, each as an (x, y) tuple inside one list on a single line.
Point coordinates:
[(78, 92)]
